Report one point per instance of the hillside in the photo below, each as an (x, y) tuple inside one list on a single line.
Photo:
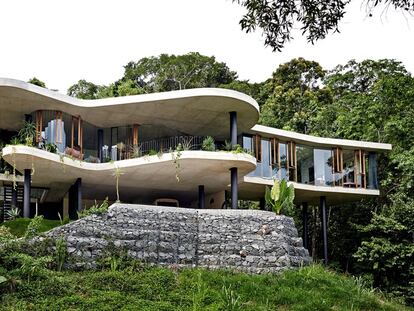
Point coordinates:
[(139, 287)]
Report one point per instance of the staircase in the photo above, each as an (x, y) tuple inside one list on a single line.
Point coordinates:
[(7, 201)]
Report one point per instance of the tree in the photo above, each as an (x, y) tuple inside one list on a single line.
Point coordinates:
[(316, 19), (388, 250), (171, 72), (295, 95), (37, 82), (84, 90)]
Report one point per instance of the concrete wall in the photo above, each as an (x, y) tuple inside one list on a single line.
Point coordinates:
[(246, 240)]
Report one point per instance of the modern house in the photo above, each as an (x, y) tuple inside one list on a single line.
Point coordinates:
[(152, 146)]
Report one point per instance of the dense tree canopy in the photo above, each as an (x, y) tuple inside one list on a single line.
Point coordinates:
[(294, 96), (316, 19), (165, 73)]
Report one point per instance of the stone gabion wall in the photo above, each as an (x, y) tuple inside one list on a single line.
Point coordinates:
[(245, 240)]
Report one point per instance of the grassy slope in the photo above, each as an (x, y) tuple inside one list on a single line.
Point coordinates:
[(19, 225), (155, 288)]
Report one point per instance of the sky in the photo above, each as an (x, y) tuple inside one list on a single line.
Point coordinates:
[(61, 42)]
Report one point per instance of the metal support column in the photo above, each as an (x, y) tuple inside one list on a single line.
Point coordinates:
[(75, 199), (78, 187), (201, 197), (305, 225), (26, 193), (14, 197), (100, 145), (233, 128), (324, 220), (234, 188)]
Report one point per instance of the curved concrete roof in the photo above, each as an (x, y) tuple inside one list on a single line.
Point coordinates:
[(318, 141), (194, 111), (147, 175)]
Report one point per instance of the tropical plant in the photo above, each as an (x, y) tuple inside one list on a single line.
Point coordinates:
[(208, 144), (15, 141), (13, 213), (280, 196), (187, 143), (27, 133), (227, 145)]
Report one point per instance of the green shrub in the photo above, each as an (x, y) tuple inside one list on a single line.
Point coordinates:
[(61, 253), (96, 209), (208, 144), (5, 235), (34, 227)]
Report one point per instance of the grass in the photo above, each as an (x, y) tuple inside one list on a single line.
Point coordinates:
[(18, 226), (156, 288)]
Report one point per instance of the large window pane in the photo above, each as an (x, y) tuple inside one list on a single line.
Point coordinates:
[(283, 161), (305, 165), (248, 143), (372, 171), (323, 167), (267, 170)]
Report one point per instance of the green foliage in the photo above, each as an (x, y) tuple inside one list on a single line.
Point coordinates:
[(278, 19), (388, 250), (155, 288), (83, 89), (208, 144), (295, 97), (175, 72), (37, 82), (61, 253), (113, 258), (33, 228), (280, 197), (13, 213), (27, 133), (231, 300), (31, 267), (6, 235), (51, 147), (18, 227), (96, 209)]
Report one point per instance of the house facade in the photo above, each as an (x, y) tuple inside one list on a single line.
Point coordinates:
[(197, 148)]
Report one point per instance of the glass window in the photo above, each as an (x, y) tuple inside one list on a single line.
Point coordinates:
[(349, 174), (305, 165), (372, 171), (323, 167), (247, 143), (266, 167)]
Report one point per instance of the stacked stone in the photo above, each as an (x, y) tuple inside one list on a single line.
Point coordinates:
[(244, 240)]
